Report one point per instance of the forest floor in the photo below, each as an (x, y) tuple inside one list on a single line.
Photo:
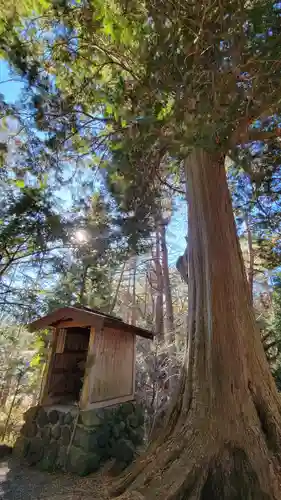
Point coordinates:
[(26, 483)]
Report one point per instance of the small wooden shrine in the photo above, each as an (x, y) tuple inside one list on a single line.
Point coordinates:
[(91, 360)]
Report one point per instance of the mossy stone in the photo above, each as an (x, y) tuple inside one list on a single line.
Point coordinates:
[(136, 436), (90, 418), (68, 418), (53, 416), (122, 426), (124, 451), (133, 421), (56, 431), (29, 429), (35, 451), (46, 435), (21, 447), (103, 437), (31, 413), (65, 436), (85, 439), (116, 431), (127, 408), (82, 463), (61, 457), (42, 418), (48, 462)]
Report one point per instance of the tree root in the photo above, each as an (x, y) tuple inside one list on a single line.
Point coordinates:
[(202, 466)]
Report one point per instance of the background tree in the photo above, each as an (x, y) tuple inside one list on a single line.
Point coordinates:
[(194, 83)]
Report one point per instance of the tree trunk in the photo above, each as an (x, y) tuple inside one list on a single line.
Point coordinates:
[(159, 316), (222, 437), (134, 301), (6, 388), (251, 257), (114, 301), (83, 285), (169, 317)]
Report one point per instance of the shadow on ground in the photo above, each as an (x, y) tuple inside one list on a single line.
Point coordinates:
[(18, 482)]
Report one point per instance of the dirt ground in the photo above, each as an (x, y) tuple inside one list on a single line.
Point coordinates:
[(26, 483)]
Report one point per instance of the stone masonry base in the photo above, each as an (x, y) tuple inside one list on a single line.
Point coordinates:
[(81, 442)]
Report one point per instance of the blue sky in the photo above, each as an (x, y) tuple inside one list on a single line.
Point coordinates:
[(11, 86)]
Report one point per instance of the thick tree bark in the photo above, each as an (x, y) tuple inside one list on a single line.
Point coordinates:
[(222, 439), (251, 257)]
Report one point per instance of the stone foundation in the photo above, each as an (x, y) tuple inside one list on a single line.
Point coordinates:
[(56, 438)]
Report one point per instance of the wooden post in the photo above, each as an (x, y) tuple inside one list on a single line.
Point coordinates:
[(48, 370), (85, 393)]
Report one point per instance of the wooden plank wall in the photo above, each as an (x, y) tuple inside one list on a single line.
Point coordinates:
[(112, 375), (60, 340)]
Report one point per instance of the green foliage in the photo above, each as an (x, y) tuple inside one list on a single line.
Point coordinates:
[(98, 249), (261, 208), (277, 306), (17, 351), (134, 87), (30, 231)]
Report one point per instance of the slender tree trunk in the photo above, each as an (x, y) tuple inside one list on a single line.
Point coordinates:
[(145, 295), (12, 405), (172, 378), (83, 285), (169, 317), (251, 257), (134, 275), (159, 315), (222, 438), (114, 301), (128, 308), (5, 389)]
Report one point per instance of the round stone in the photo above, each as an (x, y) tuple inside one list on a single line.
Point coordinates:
[(133, 421), (46, 435), (56, 431), (29, 429), (21, 447), (90, 418), (68, 418), (103, 438), (53, 416), (127, 409), (82, 463), (65, 436), (48, 462), (122, 426), (116, 431), (42, 418), (35, 451), (136, 436), (31, 413), (124, 451)]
